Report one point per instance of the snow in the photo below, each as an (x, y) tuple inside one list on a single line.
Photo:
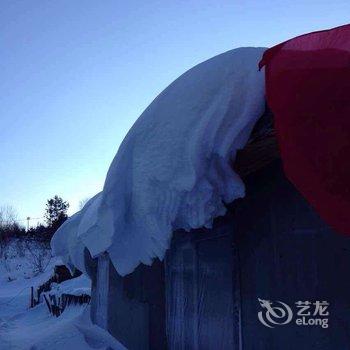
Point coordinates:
[(67, 244), (15, 295), (22, 328), (23, 258), (174, 167), (76, 286), (36, 329)]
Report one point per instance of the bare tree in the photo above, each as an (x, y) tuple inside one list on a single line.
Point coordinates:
[(8, 222), (83, 202), (40, 256), (8, 216)]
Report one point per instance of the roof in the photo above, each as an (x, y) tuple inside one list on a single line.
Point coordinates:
[(174, 167)]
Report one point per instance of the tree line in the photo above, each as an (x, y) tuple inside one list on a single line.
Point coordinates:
[(55, 215)]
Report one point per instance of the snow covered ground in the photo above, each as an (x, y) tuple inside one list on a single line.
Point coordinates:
[(22, 328), (23, 258)]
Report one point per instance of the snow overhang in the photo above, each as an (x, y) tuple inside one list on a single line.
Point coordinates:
[(174, 167)]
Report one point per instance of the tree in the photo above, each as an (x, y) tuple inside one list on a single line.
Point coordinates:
[(83, 202), (8, 216), (9, 227), (56, 212)]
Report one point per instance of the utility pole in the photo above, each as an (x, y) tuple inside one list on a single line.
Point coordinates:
[(28, 219)]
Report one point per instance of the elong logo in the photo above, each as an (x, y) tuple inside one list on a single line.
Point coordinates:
[(278, 313), (274, 315)]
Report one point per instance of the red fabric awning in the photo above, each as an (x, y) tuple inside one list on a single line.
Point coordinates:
[(308, 91)]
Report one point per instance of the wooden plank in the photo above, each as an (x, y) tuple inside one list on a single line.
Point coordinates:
[(102, 289), (203, 306), (287, 253)]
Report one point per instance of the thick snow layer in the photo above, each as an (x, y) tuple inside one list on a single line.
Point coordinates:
[(22, 328), (15, 295), (36, 329), (174, 167), (75, 286), (67, 244)]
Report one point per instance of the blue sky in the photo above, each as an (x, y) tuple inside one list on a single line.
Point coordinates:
[(76, 74)]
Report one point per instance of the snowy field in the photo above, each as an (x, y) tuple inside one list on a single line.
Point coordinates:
[(22, 328)]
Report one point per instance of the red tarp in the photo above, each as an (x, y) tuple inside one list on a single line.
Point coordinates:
[(308, 91)]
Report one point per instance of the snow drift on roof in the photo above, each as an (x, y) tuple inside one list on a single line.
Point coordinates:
[(173, 169), (67, 244)]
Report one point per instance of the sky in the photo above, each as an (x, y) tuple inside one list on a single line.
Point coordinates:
[(76, 74)]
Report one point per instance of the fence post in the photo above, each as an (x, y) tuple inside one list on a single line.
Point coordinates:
[(31, 297)]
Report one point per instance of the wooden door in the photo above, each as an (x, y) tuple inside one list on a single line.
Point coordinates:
[(201, 285)]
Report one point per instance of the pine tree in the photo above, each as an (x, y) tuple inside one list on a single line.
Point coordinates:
[(56, 212)]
